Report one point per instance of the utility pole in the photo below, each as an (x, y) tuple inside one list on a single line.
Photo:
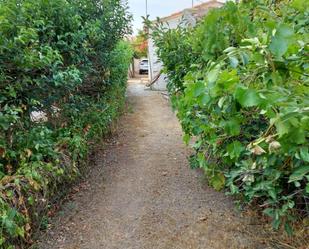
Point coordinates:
[(148, 54), (192, 3)]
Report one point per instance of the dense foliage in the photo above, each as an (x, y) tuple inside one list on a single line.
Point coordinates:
[(63, 70), (239, 82)]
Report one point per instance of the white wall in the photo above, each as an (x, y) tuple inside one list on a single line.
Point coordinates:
[(187, 18), (154, 63), (155, 68)]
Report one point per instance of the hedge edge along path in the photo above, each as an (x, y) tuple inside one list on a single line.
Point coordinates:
[(63, 72), (239, 82)]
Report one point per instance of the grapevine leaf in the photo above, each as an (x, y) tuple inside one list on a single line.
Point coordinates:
[(282, 127), (298, 136), (247, 97), (235, 149), (218, 181), (199, 88)]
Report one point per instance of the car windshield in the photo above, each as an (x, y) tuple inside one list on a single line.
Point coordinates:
[(144, 62)]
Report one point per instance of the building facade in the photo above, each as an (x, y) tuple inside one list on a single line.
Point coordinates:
[(158, 81)]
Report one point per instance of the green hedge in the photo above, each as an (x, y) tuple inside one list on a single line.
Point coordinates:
[(239, 82), (64, 60)]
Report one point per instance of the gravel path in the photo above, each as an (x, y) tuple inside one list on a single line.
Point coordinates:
[(142, 194)]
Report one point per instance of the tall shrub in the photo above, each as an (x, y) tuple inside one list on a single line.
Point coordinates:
[(239, 82), (63, 70)]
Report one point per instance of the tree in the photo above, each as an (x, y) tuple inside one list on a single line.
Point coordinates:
[(140, 44)]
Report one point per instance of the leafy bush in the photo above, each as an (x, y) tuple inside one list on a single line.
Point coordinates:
[(239, 82), (63, 70)]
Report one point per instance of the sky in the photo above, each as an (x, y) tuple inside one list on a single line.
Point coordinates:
[(157, 8)]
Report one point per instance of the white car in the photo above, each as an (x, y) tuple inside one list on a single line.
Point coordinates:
[(143, 66)]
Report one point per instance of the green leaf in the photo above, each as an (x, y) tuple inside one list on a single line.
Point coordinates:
[(212, 76), (20, 231), (232, 127), (217, 181), (288, 228), (233, 61), (276, 77), (221, 102), (234, 189), (244, 58), (235, 149), (276, 223), (298, 135), (299, 173), (304, 154), (281, 40), (31, 200), (272, 193), (300, 5), (202, 160), (282, 127), (269, 212), (227, 81), (247, 97), (186, 139), (307, 188), (278, 46), (199, 88), (284, 30)]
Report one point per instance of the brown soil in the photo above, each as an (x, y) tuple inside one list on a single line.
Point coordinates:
[(142, 194)]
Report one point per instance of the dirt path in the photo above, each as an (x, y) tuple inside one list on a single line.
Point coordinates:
[(142, 194)]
